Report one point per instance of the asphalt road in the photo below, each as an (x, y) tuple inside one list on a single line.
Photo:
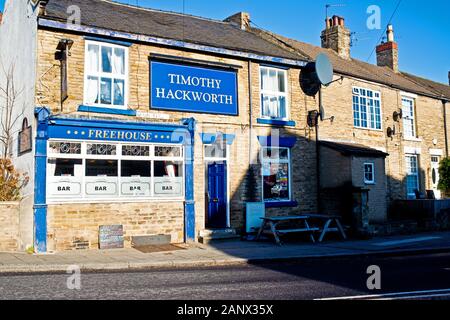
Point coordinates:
[(304, 280)]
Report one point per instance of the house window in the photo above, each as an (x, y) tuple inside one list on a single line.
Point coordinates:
[(366, 109), (106, 75), (412, 175), (409, 126), (276, 173), (369, 173), (274, 99), (85, 171)]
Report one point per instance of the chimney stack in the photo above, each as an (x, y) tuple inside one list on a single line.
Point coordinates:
[(387, 53), (240, 19), (449, 78), (336, 36)]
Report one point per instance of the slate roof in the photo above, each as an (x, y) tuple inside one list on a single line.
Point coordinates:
[(110, 15), (353, 149), (360, 69), (114, 16)]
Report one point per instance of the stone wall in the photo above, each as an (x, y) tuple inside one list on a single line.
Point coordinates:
[(9, 226), (76, 226)]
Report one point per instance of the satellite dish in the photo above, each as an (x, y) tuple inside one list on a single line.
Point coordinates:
[(324, 69), (316, 74)]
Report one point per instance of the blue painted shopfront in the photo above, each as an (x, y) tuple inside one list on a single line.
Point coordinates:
[(54, 127)]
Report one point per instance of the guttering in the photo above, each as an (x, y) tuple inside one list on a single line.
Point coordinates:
[(54, 24)]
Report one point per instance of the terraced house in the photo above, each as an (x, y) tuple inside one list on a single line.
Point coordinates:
[(168, 124)]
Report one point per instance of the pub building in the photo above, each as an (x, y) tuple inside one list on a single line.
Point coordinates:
[(158, 125)]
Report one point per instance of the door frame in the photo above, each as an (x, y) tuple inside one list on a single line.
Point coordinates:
[(208, 160), (432, 164)]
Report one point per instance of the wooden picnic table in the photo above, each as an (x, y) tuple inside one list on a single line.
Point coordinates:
[(273, 223)]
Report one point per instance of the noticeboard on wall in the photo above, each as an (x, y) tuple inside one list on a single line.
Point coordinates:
[(25, 142)]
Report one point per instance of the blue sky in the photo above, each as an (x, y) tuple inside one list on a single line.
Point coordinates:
[(421, 27)]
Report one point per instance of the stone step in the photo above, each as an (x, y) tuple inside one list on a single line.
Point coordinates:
[(211, 233), (208, 240)]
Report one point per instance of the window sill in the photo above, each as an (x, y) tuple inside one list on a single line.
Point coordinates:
[(412, 139), (281, 204), (275, 122), (124, 112)]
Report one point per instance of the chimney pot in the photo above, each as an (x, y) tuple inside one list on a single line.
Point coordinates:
[(337, 37), (327, 23), (387, 52), (335, 21)]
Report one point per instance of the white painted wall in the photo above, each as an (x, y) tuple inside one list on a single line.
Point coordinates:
[(18, 45)]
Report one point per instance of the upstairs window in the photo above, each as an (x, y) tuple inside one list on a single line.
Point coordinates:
[(366, 109), (106, 70), (274, 101), (409, 122)]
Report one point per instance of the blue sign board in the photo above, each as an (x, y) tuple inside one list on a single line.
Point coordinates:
[(112, 134), (193, 89)]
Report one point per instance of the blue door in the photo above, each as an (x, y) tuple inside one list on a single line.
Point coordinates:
[(217, 196)]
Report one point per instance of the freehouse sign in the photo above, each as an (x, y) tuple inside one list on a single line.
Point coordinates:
[(193, 89)]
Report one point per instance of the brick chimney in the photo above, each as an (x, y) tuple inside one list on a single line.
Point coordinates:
[(387, 52), (336, 36), (240, 19)]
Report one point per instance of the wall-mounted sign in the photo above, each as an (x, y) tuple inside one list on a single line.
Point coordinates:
[(168, 188), (101, 188), (64, 188), (193, 89), (111, 237), (25, 138), (72, 132), (136, 188)]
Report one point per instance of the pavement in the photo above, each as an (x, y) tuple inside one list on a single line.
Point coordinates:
[(222, 254)]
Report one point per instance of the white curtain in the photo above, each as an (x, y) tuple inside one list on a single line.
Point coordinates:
[(92, 90), (93, 58), (119, 61)]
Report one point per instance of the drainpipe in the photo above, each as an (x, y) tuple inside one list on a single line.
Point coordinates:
[(189, 207), (318, 152), (445, 127), (250, 113), (40, 176)]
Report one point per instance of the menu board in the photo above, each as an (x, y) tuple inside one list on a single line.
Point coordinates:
[(111, 237)]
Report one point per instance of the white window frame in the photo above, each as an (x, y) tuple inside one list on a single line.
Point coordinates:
[(273, 160), (411, 195), (100, 74), (83, 198), (407, 117), (274, 93), (371, 117), (371, 164)]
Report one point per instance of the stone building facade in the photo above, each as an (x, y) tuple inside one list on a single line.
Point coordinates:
[(110, 148)]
